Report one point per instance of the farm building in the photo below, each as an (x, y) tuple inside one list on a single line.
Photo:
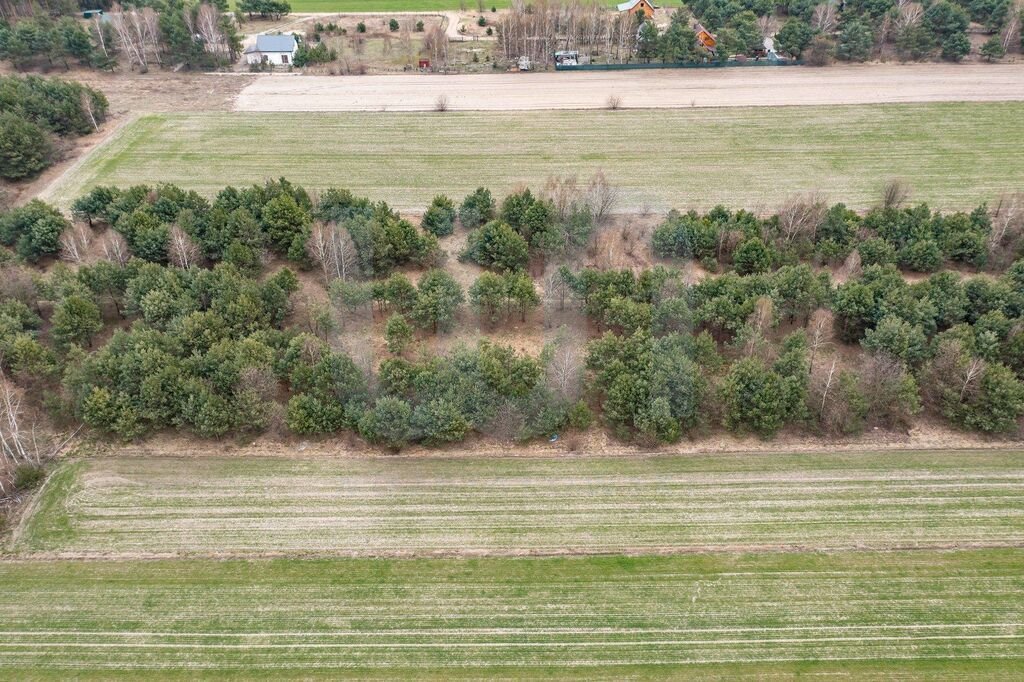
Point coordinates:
[(278, 50), (638, 7), (705, 38)]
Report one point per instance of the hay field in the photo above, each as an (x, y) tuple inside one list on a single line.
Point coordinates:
[(719, 615), (954, 155), (414, 506)]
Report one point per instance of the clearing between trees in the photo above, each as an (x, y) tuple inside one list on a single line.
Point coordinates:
[(729, 615), (135, 506), (953, 154)]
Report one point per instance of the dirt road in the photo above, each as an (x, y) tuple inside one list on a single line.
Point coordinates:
[(669, 88)]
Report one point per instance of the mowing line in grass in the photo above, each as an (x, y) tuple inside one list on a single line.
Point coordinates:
[(776, 612), (487, 506)]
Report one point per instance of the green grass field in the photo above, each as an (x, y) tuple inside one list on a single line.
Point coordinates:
[(953, 155), (717, 615), (129, 506)]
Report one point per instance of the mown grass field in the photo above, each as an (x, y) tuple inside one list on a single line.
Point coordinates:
[(582, 617), (139, 505), (953, 155)]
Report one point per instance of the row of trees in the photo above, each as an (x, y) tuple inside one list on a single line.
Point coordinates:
[(914, 238), (858, 31), (163, 33), (36, 114), (803, 29)]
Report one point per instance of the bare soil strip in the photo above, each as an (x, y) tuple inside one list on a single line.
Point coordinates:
[(655, 89), (165, 506)]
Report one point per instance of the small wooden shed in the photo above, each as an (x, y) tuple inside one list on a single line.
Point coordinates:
[(705, 38)]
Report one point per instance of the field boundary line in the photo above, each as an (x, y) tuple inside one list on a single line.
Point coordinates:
[(528, 553), (507, 645), (47, 193), (511, 631)]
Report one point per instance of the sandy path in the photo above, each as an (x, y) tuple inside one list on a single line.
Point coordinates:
[(640, 89)]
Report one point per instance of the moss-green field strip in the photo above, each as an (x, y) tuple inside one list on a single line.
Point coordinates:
[(406, 617), (954, 155), (142, 505)]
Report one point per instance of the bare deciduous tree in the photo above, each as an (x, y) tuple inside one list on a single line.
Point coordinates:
[(74, 243), (435, 44), (565, 368), (15, 435), (17, 283), (767, 25), (825, 17), (208, 26), (950, 371), (331, 247), (563, 192), (138, 34), (98, 34), (819, 333), (882, 380), (895, 193), (556, 290), (827, 386), (801, 216), (22, 441), (1011, 33), (1007, 222), (758, 324), (826, 401), (969, 377), (181, 250), (115, 248), (602, 196), (89, 109), (908, 14)]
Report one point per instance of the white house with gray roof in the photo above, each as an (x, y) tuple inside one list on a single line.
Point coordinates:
[(278, 50)]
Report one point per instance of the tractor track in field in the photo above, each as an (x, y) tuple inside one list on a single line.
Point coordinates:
[(221, 507)]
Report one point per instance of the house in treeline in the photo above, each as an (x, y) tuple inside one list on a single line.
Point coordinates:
[(638, 7), (705, 38), (278, 50)]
